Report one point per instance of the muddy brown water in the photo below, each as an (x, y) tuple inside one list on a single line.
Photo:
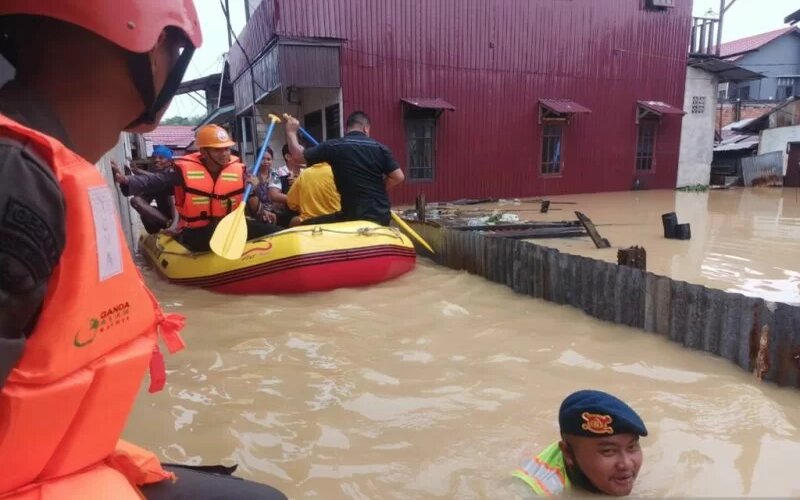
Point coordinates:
[(743, 240), (436, 384)]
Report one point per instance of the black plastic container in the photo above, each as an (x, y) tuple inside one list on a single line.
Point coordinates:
[(669, 221), (683, 232)]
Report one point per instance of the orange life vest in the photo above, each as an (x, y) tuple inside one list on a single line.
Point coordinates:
[(203, 199), (65, 404)]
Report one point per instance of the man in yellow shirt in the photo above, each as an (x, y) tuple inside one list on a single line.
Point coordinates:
[(313, 194)]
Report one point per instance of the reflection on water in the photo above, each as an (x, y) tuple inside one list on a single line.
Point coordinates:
[(436, 384), (743, 240)]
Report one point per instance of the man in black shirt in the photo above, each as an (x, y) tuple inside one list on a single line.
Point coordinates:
[(363, 169)]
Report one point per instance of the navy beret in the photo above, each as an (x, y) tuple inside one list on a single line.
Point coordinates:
[(596, 414)]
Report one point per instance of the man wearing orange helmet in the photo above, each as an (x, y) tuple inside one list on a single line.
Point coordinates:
[(78, 327), (208, 186)]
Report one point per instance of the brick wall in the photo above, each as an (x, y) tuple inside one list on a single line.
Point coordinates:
[(747, 109)]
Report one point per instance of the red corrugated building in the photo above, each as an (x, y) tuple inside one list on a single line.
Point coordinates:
[(482, 98)]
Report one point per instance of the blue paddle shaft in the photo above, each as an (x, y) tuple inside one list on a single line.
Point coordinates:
[(257, 165), (309, 137)]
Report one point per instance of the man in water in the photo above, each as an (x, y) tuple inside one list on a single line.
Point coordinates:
[(363, 169), (599, 449)]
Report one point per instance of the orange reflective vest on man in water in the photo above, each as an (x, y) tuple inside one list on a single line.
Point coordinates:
[(93, 342), (202, 199)]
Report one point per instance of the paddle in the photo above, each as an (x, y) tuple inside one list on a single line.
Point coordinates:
[(230, 236), (396, 218)]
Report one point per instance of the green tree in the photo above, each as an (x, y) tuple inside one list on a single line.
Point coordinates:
[(182, 120)]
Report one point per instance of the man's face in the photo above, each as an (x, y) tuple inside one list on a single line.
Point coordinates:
[(160, 162), (219, 157), (610, 463)]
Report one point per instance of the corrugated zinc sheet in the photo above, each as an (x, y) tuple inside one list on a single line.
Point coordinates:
[(254, 37), (493, 60), (705, 319)]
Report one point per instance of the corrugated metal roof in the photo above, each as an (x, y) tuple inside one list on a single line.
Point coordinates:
[(660, 108), (793, 17), (737, 142), (175, 136), (751, 43), (563, 106), (428, 103)]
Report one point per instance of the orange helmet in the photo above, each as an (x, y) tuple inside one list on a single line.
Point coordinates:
[(212, 136), (134, 25)]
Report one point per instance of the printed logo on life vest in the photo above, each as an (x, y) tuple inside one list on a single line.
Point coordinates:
[(106, 320), (597, 424)]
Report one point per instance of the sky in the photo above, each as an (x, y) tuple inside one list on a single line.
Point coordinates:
[(744, 18)]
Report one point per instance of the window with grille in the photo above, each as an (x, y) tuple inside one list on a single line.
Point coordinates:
[(332, 119), (788, 87), (420, 136), (646, 145), (698, 105), (552, 160)]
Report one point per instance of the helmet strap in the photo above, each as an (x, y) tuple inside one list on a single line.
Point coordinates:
[(142, 76)]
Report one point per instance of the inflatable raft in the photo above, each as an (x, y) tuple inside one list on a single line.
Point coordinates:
[(297, 260)]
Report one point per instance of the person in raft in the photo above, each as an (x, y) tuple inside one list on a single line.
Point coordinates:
[(598, 452), (162, 216), (208, 185), (78, 326)]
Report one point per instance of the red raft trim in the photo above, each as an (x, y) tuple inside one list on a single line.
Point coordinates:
[(314, 272)]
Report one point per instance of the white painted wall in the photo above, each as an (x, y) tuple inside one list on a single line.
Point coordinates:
[(697, 131), (776, 139)]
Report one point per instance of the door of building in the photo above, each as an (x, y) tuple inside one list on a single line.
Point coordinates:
[(792, 178)]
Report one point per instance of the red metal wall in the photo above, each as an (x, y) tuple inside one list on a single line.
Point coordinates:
[(493, 59)]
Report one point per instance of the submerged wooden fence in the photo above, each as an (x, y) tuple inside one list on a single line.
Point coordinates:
[(714, 321)]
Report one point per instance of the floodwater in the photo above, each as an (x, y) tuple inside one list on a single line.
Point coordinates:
[(743, 240), (436, 384)]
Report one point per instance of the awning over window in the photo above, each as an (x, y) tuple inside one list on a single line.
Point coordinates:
[(433, 103), (660, 108), (655, 108), (563, 106)]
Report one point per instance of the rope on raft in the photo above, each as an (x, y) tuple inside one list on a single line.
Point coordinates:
[(389, 232)]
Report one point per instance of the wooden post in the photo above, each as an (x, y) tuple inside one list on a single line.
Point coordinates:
[(421, 207), (587, 223), (635, 257)]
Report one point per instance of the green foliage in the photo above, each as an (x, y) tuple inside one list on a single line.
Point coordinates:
[(182, 120), (696, 188)]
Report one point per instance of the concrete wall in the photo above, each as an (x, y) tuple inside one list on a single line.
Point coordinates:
[(778, 58), (697, 133), (775, 139)]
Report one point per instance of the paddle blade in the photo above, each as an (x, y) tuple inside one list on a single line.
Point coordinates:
[(410, 232), (230, 235)]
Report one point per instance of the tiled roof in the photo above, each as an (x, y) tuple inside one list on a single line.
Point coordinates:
[(174, 136), (752, 42)]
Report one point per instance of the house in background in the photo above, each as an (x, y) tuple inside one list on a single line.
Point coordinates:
[(178, 138), (706, 70), (479, 98), (779, 131), (775, 54)]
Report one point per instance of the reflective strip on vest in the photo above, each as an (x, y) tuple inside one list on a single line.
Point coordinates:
[(66, 402), (545, 473)]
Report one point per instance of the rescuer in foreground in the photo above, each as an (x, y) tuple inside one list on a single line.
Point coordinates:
[(78, 327), (598, 452)]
